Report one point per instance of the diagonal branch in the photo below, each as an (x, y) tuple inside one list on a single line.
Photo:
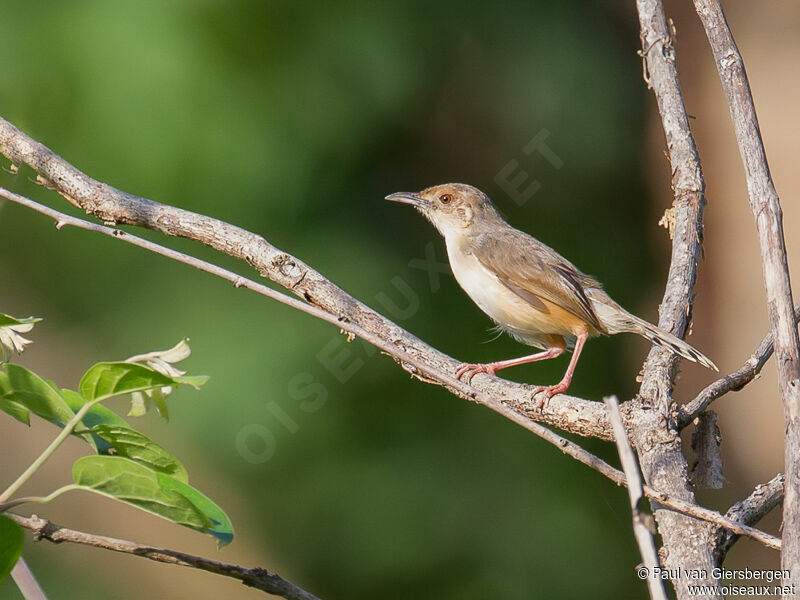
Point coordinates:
[(113, 206), (256, 577), (568, 447), (732, 382), (412, 363), (749, 511), (766, 208)]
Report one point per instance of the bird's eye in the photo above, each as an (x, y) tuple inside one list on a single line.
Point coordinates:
[(445, 198)]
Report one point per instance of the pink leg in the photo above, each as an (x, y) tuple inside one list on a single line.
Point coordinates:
[(548, 391), (473, 369)]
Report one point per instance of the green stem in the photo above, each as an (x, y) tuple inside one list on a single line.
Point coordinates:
[(64, 434), (39, 499)]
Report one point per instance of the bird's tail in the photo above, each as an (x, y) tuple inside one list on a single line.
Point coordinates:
[(618, 320), (670, 342)]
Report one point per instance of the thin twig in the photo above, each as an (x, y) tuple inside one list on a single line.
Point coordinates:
[(644, 537), (749, 511), (26, 581), (566, 446), (732, 382), (576, 415), (416, 365), (572, 414), (766, 208), (256, 577)]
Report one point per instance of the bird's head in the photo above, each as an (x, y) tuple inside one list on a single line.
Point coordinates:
[(453, 208)]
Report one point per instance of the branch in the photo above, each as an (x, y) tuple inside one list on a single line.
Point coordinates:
[(568, 447), (765, 204), (657, 441), (26, 581), (257, 578), (732, 382), (327, 302), (416, 366), (644, 537), (749, 511), (112, 206), (689, 200)]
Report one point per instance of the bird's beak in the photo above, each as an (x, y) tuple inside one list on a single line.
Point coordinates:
[(407, 198)]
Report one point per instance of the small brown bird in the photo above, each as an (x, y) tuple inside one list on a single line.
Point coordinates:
[(533, 293)]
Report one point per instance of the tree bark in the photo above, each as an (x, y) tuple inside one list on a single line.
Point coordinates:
[(765, 204)]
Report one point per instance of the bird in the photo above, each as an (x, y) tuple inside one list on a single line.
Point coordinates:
[(528, 289)]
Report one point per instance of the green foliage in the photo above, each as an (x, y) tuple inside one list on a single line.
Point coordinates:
[(38, 395), (15, 409), (7, 320), (130, 467), (129, 443), (105, 380), (11, 541), (97, 415), (304, 115), (134, 483)]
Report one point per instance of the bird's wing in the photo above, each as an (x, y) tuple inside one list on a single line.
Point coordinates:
[(536, 272)]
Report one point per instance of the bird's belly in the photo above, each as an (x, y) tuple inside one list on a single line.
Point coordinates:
[(505, 307)]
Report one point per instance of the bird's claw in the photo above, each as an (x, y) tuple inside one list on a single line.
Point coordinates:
[(470, 370), (543, 393)]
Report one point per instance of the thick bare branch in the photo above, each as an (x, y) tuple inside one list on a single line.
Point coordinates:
[(765, 204), (641, 531), (582, 417), (417, 366), (566, 446), (256, 577), (411, 363), (749, 511), (732, 382), (655, 437)]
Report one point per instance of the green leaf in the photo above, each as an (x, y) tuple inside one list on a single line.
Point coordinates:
[(6, 320), (193, 380), (131, 444), (221, 528), (16, 410), (128, 481), (38, 395), (97, 415), (104, 380), (11, 542)]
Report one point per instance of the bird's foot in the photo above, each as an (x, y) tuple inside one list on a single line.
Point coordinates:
[(470, 370), (543, 393)]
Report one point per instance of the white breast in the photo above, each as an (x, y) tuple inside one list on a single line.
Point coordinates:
[(475, 279), (516, 315)]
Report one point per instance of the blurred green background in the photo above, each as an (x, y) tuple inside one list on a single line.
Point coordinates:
[(294, 120)]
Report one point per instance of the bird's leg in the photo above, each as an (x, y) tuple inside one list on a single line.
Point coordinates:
[(473, 369), (546, 392)]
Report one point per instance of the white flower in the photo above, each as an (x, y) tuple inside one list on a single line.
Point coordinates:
[(10, 334), (161, 361)]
